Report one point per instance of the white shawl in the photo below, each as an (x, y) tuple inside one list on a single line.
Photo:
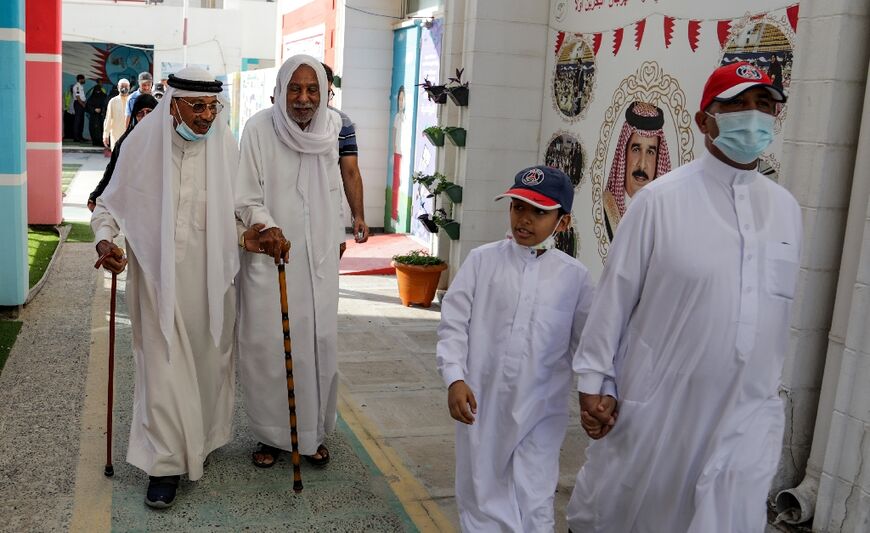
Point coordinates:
[(314, 144), (140, 199)]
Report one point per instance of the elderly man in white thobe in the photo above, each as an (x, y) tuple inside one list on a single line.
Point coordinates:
[(691, 321), (171, 195), (289, 184)]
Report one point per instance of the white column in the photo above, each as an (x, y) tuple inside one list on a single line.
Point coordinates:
[(503, 50), (819, 166)]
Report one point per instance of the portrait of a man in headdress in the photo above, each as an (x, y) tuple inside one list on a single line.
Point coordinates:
[(641, 156)]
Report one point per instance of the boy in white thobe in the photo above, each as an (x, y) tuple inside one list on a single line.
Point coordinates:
[(691, 319), (509, 324)]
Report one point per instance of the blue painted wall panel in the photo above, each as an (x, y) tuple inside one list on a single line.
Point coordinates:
[(12, 14), (12, 117), (13, 242)]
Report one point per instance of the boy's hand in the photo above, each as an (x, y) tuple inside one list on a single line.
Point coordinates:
[(598, 414), (461, 402)]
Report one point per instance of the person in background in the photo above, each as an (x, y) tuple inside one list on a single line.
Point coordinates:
[(350, 175), (113, 125), (96, 110), (144, 105)]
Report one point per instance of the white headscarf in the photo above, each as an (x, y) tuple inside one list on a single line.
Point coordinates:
[(314, 145), (139, 197)]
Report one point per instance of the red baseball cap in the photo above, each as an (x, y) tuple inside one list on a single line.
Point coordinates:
[(729, 81)]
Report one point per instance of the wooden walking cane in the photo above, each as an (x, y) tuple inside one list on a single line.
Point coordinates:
[(288, 364), (109, 471)]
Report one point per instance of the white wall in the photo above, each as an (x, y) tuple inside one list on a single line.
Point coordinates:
[(364, 59), (219, 38)]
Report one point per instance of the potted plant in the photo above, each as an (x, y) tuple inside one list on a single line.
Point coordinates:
[(459, 90), (435, 93), (450, 226), (438, 183), (435, 134), (417, 274), (456, 135)]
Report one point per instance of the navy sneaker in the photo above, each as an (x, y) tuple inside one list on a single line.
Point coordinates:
[(161, 491)]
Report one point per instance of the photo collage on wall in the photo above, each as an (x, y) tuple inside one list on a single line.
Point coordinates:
[(625, 91)]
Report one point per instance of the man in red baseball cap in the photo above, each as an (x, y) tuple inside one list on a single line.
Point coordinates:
[(691, 321)]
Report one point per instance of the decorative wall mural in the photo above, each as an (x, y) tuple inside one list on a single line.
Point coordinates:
[(574, 76), (648, 107), (565, 152), (768, 43), (627, 78)]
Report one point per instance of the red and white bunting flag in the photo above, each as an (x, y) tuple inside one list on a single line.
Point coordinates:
[(617, 39), (792, 14), (639, 26), (560, 38), (724, 30), (694, 34), (669, 31), (596, 43)]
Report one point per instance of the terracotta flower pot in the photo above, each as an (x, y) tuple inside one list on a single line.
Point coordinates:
[(418, 283)]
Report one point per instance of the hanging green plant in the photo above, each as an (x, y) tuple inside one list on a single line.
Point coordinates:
[(435, 134), (456, 135)]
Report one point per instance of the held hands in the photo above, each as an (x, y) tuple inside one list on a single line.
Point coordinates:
[(598, 414), (461, 402), (111, 257), (91, 205)]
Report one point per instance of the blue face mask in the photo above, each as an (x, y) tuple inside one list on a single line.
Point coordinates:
[(743, 135), (188, 134)]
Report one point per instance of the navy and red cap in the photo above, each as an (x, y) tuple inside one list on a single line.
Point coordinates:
[(729, 81), (544, 187)]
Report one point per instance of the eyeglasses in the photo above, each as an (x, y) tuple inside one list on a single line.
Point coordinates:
[(199, 107)]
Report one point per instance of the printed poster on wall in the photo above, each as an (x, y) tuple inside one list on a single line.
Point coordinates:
[(425, 154), (625, 79)]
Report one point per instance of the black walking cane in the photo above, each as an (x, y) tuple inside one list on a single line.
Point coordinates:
[(110, 469), (288, 364)]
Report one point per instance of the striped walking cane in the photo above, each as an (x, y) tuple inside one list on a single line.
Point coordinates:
[(288, 364)]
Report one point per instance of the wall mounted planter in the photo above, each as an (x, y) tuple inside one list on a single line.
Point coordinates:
[(456, 135), (452, 230), (435, 135), (454, 192), (428, 223), (459, 95)]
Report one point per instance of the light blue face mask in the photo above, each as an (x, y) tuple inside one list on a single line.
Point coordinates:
[(743, 135), (188, 134)]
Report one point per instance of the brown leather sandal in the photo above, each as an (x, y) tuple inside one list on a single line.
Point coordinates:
[(324, 457), (268, 455)]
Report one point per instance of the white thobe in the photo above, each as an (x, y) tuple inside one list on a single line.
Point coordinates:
[(691, 318), (114, 123), (183, 399), (509, 325), (269, 193)]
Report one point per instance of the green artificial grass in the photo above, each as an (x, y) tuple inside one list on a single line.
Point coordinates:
[(80, 232), (8, 333), (41, 243), (67, 175)]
